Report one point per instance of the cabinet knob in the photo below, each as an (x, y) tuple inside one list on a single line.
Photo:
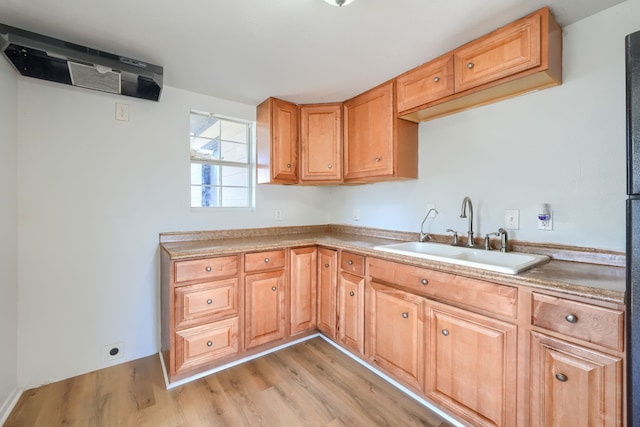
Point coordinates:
[(377, 159), (350, 262), (561, 377), (266, 260), (351, 293), (405, 315), (326, 266), (209, 343), (288, 165), (424, 281), (273, 288), (208, 269), (571, 318), (470, 65), (436, 79), (209, 301), (329, 165), (445, 332)]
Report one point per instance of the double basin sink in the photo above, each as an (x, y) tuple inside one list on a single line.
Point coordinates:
[(501, 262)]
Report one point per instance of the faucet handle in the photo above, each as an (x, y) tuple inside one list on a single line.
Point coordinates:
[(455, 236), (487, 242)]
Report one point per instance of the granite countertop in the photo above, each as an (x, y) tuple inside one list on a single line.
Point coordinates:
[(596, 281)]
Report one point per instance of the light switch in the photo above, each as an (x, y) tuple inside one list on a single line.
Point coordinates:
[(512, 219), (122, 112)]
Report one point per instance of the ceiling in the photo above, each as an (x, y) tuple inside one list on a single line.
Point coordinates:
[(304, 51)]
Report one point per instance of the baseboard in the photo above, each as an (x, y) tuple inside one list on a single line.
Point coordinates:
[(9, 404), (396, 384)]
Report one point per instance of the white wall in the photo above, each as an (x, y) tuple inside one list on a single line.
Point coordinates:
[(94, 194), (564, 146), (8, 234)]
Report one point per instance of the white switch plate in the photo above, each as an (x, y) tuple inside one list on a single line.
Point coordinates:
[(122, 112), (356, 214), (278, 215), (512, 219)]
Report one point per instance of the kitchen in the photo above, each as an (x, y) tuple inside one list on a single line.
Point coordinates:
[(85, 196)]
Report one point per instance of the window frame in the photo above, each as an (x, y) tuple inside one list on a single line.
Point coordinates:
[(250, 165)]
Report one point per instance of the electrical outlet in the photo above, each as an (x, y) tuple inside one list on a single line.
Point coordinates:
[(278, 215), (113, 351), (545, 222), (356, 214), (512, 219), (122, 112)]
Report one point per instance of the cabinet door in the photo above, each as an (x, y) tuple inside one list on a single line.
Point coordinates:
[(321, 143), (396, 330), (327, 290), (369, 133), (425, 84), (507, 51), (351, 311), (264, 308), (277, 142), (472, 365), (572, 385), (303, 289)]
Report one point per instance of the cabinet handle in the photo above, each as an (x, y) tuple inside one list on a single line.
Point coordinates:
[(436, 79), (561, 377), (266, 260), (377, 159), (288, 165), (326, 266), (405, 315), (470, 65), (350, 262), (273, 288), (424, 281), (208, 269), (445, 332), (209, 343), (329, 165), (209, 301), (571, 318), (351, 293)]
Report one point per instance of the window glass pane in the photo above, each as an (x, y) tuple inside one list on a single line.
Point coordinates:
[(205, 196), (234, 131), (234, 152), (235, 176), (235, 197), (205, 174)]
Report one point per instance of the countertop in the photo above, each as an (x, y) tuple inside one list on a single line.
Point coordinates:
[(587, 280)]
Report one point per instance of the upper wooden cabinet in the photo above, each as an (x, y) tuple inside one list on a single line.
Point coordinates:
[(377, 145), (321, 143), (277, 142), (517, 58)]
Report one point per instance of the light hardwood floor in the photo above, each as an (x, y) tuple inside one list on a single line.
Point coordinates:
[(309, 384)]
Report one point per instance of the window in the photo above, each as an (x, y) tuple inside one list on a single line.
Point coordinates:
[(221, 174)]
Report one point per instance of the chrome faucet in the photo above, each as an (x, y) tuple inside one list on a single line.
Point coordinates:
[(463, 214), (504, 240), (426, 236)]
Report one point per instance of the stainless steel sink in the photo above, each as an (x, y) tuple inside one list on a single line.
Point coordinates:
[(501, 262)]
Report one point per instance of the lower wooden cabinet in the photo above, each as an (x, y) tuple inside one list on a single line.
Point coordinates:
[(303, 289), (396, 333), (264, 308), (350, 331), (471, 366), (573, 385), (327, 291)]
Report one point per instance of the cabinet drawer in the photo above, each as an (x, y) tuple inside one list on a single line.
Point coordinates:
[(427, 83), (486, 296), (261, 261), (352, 263), (504, 52), (205, 302), (206, 268), (204, 344), (598, 325)]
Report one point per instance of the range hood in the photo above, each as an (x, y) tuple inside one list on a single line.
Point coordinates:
[(46, 58)]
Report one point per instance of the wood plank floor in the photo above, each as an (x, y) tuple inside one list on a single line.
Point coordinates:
[(309, 384)]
